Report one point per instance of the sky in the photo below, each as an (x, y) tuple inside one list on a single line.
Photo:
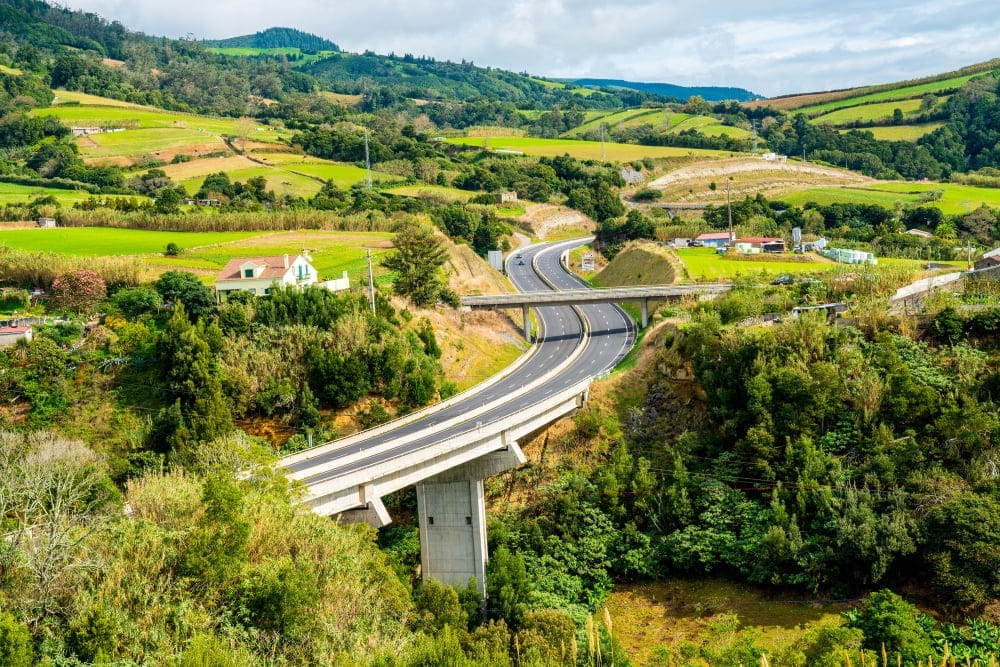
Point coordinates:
[(772, 47)]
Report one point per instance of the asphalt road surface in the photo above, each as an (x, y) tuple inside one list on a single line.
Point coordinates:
[(612, 336)]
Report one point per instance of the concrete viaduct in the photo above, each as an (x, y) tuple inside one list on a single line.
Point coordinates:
[(642, 295), (449, 449)]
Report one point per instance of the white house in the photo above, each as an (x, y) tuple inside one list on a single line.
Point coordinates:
[(258, 274)]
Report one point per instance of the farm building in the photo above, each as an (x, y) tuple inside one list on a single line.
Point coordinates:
[(774, 157), (920, 233), (989, 259), (258, 274), (47, 223), (505, 197), (762, 244), (714, 239), (10, 335)]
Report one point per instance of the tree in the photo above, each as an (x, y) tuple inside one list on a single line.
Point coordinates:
[(15, 642), (508, 586), (184, 287), (889, 620), (418, 263), (80, 291), (134, 301)]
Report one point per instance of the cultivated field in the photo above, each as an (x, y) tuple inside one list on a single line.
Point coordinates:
[(706, 264), (104, 241), (904, 93), (868, 112), (12, 193), (584, 150), (431, 191), (955, 199), (903, 132)]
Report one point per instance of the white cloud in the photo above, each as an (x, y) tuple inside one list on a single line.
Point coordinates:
[(773, 47)]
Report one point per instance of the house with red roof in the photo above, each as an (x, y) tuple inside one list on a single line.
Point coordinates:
[(258, 275), (11, 334), (714, 239)]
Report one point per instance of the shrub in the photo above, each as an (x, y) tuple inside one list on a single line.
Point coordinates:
[(80, 291), (15, 642)]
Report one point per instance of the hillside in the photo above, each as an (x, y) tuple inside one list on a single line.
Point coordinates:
[(275, 38), (640, 263), (708, 93)]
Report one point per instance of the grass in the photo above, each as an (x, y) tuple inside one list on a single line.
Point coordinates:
[(94, 110), (706, 264), (13, 193), (344, 175), (584, 150), (955, 198), (426, 190), (332, 252), (903, 132), (102, 241), (148, 141), (868, 112), (665, 614), (904, 93), (280, 181)]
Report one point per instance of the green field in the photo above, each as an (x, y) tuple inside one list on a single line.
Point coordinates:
[(905, 93), (104, 241), (139, 117), (12, 193), (903, 132), (706, 264), (131, 143), (282, 182), (584, 150), (332, 252), (868, 112), (426, 190), (955, 199), (619, 118)]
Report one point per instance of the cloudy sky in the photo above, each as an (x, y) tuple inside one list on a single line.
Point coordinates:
[(772, 47)]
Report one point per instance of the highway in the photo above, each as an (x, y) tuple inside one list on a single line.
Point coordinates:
[(612, 334)]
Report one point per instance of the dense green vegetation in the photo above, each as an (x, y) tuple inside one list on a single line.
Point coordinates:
[(286, 38)]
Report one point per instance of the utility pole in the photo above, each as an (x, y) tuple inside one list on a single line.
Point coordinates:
[(371, 281), (602, 142), (368, 165), (754, 136), (729, 212)]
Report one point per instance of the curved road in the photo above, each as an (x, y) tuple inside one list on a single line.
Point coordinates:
[(611, 337)]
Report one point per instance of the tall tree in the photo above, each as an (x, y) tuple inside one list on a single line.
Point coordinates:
[(418, 263)]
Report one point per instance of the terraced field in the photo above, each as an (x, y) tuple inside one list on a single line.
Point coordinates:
[(955, 199), (868, 112), (584, 150), (904, 93), (903, 132)]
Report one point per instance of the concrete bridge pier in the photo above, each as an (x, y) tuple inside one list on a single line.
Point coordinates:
[(525, 313), (451, 512), (645, 313)]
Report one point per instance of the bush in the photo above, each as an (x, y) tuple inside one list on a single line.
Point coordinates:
[(172, 250), (15, 642), (135, 301)]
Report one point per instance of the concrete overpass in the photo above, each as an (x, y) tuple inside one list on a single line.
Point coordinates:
[(642, 295), (449, 449)]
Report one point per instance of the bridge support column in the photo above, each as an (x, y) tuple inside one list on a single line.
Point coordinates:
[(525, 313), (451, 513), (645, 313)]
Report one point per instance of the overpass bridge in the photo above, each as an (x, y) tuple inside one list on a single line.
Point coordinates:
[(449, 449), (641, 294)]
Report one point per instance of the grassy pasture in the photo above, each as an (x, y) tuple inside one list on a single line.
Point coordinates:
[(825, 196), (904, 93), (955, 198), (868, 112), (281, 181), (585, 150), (103, 241), (427, 190), (97, 111), (903, 132), (706, 264), (344, 175), (341, 98), (13, 193), (133, 143), (616, 119), (332, 252), (551, 85), (248, 52)]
